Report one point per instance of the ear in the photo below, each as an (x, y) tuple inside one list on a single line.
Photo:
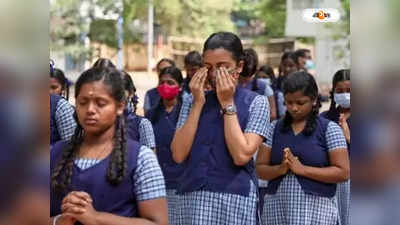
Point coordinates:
[(240, 65), (120, 108)]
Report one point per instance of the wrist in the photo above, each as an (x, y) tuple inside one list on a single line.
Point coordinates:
[(225, 104), (303, 171), (198, 104)]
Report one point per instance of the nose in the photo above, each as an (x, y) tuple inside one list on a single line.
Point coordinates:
[(91, 108)]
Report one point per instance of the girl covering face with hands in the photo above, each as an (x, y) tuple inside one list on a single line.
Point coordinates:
[(218, 132)]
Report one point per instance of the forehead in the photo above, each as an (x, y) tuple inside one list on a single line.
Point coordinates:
[(217, 56), (96, 88), (343, 84), (188, 66), (166, 77), (288, 61), (54, 81), (298, 95)]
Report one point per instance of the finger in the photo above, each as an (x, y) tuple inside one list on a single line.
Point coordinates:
[(228, 78), (76, 201), (84, 195), (68, 208), (218, 80), (203, 78), (224, 78)]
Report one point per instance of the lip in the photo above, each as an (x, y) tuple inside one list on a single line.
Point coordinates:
[(90, 122)]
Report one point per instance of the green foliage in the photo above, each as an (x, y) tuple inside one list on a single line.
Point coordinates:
[(104, 31), (273, 13)]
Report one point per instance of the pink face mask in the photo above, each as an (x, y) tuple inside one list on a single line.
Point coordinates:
[(168, 92)]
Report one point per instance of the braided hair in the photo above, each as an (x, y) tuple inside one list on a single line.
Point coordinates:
[(131, 89), (340, 75), (117, 169), (305, 82)]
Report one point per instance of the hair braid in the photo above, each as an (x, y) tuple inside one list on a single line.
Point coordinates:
[(61, 177), (118, 164)]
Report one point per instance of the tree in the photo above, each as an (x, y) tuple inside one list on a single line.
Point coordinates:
[(273, 13)]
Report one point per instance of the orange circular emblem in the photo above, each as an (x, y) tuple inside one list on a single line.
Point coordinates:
[(321, 15)]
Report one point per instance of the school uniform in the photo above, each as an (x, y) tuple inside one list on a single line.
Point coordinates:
[(62, 122), (213, 189), (293, 199), (151, 99), (343, 189), (143, 181), (164, 124), (139, 129), (186, 87)]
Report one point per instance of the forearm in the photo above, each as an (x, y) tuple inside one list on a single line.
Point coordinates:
[(331, 174), (267, 172), (107, 219), (236, 141), (272, 108), (184, 136)]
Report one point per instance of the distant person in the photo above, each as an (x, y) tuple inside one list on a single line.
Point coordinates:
[(287, 66), (62, 121), (152, 97), (59, 84), (193, 62), (138, 127), (164, 117), (304, 59), (266, 75)]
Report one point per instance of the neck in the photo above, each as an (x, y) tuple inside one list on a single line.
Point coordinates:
[(245, 80), (99, 139), (170, 104)]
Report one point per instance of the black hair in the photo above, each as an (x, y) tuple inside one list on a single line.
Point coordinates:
[(176, 74), (340, 75), (229, 42), (170, 61), (193, 58), (304, 82), (251, 57), (103, 62), (60, 77), (117, 169), (300, 53), (130, 87), (289, 55)]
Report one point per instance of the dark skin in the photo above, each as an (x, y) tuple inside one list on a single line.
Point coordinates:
[(288, 66), (344, 87), (191, 70), (55, 86), (163, 65), (169, 104), (271, 99), (222, 71), (97, 111), (300, 106)]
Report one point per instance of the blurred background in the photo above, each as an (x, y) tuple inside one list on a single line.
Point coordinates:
[(136, 34)]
